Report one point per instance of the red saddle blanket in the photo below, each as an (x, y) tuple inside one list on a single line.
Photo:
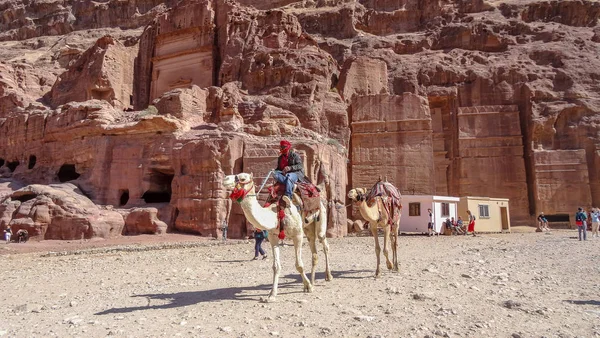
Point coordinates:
[(309, 193), (392, 201)]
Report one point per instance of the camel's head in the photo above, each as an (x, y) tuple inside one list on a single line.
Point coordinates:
[(357, 194), (231, 181), (240, 184)]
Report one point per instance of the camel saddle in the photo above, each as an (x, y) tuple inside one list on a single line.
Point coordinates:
[(390, 196), (308, 192)]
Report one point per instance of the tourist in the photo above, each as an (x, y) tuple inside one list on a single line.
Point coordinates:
[(7, 234), (224, 229), (471, 227), (460, 226), (595, 221), (543, 222), (430, 230), (580, 221), (259, 237), (289, 167), (22, 236)]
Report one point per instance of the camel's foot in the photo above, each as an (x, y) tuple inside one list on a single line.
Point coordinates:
[(389, 265), (328, 276), (377, 273), (270, 299), (396, 268), (308, 288)]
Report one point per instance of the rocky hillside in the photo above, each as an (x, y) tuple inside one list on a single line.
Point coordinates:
[(149, 103)]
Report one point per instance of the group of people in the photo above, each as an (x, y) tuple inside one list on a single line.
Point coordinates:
[(457, 227), (582, 220), (22, 235)]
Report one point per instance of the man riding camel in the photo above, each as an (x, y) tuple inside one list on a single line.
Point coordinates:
[(290, 168)]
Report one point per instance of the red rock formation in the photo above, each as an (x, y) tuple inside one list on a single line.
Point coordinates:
[(143, 221), (58, 212), (103, 72), (453, 98)]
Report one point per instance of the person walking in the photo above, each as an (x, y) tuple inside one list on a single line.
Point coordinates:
[(471, 227), (595, 221), (430, 225), (7, 234), (259, 237), (224, 229), (580, 221)]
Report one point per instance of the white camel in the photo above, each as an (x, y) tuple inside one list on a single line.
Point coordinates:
[(378, 217), (266, 219)]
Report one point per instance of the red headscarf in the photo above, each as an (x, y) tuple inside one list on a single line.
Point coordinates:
[(286, 144), (284, 150)]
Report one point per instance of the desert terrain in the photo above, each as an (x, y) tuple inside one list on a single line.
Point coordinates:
[(494, 285)]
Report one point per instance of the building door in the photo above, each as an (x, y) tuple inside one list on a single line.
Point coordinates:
[(504, 218)]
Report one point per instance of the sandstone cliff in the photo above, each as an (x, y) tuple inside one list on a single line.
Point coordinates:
[(150, 103)]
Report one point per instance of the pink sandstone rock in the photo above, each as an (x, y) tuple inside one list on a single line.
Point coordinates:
[(103, 72), (453, 98), (58, 212), (143, 221)]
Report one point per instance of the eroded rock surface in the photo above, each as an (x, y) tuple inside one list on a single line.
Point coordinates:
[(58, 211), (454, 98)]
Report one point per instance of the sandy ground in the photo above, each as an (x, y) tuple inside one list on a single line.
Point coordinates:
[(497, 285)]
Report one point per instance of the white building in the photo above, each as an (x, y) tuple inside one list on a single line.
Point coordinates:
[(415, 216)]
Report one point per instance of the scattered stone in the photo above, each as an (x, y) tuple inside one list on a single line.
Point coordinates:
[(225, 329), (511, 304), (364, 318), (393, 290), (326, 331), (466, 276), (420, 296)]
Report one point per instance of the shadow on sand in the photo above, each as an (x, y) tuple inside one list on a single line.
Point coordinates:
[(181, 299), (583, 302)]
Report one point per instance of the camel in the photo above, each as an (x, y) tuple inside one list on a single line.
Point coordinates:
[(244, 191), (378, 217)]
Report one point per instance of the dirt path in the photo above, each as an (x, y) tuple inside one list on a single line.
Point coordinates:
[(504, 285)]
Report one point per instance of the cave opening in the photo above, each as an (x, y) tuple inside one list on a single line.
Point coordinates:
[(1, 162), (24, 198), (160, 187), (32, 161), (101, 94), (124, 197), (12, 165), (67, 173)]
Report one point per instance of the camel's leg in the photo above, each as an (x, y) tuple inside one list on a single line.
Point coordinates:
[(299, 265), (377, 247), (395, 247), (321, 232), (274, 240), (386, 242), (309, 230), (328, 276)]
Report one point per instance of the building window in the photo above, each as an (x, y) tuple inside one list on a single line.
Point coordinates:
[(414, 209), (484, 211), (445, 209)]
